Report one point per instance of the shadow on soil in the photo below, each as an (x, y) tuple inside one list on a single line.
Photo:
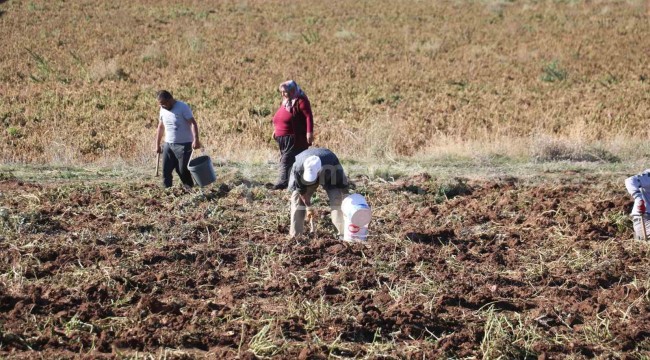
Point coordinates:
[(436, 238)]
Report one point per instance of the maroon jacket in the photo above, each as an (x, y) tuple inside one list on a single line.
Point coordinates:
[(298, 122)]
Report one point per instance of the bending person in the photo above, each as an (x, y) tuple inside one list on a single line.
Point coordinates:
[(639, 187), (313, 167)]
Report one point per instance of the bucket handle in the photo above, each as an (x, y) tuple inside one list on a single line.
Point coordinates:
[(192, 153)]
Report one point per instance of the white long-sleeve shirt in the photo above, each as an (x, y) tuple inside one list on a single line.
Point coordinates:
[(634, 185)]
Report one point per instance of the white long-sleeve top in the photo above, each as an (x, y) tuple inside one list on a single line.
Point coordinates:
[(635, 183)]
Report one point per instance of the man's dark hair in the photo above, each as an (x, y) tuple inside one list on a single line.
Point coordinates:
[(164, 95)]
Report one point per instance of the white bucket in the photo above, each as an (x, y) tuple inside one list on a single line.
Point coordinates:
[(356, 215), (638, 226)]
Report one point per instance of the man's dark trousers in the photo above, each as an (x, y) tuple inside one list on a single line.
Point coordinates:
[(176, 157)]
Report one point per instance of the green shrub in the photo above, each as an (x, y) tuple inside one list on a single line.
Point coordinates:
[(552, 72)]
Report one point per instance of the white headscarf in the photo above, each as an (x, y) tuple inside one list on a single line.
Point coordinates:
[(288, 86)]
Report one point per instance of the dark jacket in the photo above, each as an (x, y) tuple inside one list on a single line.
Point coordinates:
[(331, 174)]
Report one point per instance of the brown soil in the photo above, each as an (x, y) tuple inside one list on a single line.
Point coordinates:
[(110, 270)]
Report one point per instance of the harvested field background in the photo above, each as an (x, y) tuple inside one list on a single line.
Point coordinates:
[(386, 79)]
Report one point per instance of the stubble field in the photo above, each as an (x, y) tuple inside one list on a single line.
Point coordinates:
[(534, 267), (520, 256), (386, 80)]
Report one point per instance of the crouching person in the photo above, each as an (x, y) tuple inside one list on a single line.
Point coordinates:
[(313, 167)]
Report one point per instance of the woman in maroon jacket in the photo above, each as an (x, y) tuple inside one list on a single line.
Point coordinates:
[(293, 128)]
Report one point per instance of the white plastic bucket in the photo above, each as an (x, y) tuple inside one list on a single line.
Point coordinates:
[(356, 215), (638, 226)]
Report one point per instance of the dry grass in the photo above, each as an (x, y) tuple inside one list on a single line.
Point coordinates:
[(422, 78)]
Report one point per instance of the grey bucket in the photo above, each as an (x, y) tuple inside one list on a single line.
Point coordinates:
[(202, 170)]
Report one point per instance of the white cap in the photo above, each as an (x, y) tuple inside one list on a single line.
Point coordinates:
[(312, 166)]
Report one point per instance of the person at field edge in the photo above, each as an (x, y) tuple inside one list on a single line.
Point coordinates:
[(177, 122), (313, 167), (293, 128), (639, 187)]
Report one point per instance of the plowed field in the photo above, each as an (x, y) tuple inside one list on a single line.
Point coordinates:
[(460, 269)]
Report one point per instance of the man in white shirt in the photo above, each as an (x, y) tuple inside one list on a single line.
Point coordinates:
[(181, 136)]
